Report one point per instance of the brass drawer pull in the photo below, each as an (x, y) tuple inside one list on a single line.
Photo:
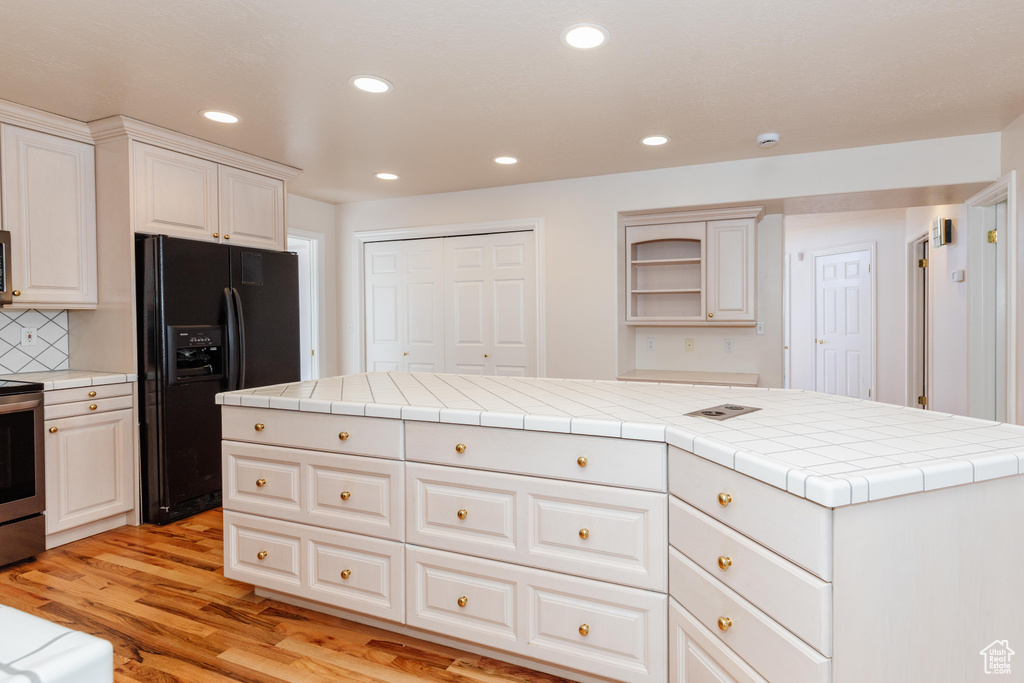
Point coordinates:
[(345, 495), (259, 427), (261, 555), (346, 573), (16, 292), (227, 237), (53, 430), (92, 394), (724, 499), (581, 461), (724, 562), (93, 406), (463, 600), (460, 448), (343, 435), (261, 483), (724, 624), (216, 234), (584, 629), (584, 534), (463, 513)]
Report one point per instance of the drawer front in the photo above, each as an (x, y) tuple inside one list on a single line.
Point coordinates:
[(262, 551), (792, 596), (355, 493), (97, 405), (590, 459), (318, 431), (793, 527), (87, 393), (261, 480), (770, 649), (696, 655), (457, 510), (356, 573)]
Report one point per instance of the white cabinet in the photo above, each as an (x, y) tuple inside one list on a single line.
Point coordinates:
[(251, 209), (692, 268), (49, 206), (695, 655)]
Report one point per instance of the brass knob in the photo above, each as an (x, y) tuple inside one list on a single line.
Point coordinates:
[(711, 315), (216, 234), (460, 448), (463, 513), (584, 534), (463, 600), (485, 355), (93, 406), (581, 461), (724, 562), (724, 499), (259, 427), (92, 394), (53, 430), (227, 237), (345, 495), (405, 353), (724, 623), (261, 555), (343, 435), (346, 573), (261, 483), (584, 629), (820, 341), (16, 292)]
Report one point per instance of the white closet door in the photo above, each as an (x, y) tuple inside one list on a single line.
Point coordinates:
[(384, 321), (490, 312)]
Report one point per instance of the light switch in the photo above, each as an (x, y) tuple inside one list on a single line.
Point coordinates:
[(958, 276), (760, 327)]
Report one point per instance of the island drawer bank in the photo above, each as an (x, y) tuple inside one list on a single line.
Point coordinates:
[(731, 551)]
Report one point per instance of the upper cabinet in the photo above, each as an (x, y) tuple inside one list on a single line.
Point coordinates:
[(692, 268), (251, 209), (49, 205)]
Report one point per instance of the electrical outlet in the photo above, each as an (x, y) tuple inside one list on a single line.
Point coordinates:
[(689, 344), (729, 346), (760, 327), (650, 343), (28, 336)]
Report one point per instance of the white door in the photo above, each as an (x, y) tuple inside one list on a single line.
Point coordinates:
[(305, 249), (490, 312), (843, 324)]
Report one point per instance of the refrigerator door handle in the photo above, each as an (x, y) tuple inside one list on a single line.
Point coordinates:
[(232, 340), (241, 338)]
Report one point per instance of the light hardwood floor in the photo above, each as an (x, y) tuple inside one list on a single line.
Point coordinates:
[(160, 596)]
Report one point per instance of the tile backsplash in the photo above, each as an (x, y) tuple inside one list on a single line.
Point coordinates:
[(51, 348)]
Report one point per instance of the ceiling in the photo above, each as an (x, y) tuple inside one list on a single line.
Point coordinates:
[(475, 79)]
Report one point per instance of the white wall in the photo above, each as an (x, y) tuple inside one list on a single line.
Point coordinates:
[(1013, 160), (310, 215), (584, 336)]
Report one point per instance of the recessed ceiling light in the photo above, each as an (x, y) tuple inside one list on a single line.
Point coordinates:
[(220, 116), (386, 176), (505, 160), (767, 139), (655, 140), (585, 36), (374, 84)]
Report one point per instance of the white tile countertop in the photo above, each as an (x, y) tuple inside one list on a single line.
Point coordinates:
[(829, 449), (71, 379)]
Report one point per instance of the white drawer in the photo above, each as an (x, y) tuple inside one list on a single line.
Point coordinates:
[(595, 531), (355, 493), (262, 551), (695, 655), (319, 431), (356, 573), (87, 393), (793, 527), (795, 598), (261, 480), (590, 459), (57, 411), (771, 650), (580, 624)]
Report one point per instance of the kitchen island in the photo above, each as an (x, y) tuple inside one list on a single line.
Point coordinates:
[(595, 530)]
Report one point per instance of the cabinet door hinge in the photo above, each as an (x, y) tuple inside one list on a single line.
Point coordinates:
[(993, 236), (869, 267), (922, 400), (869, 393), (922, 263)]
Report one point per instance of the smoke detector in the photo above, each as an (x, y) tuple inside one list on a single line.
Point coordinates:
[(767, 139)]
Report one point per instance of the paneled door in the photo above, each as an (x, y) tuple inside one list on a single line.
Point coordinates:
[(843, 323), (404, 290), (490, 305)]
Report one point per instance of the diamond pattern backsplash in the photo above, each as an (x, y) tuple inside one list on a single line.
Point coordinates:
[(51, 349)]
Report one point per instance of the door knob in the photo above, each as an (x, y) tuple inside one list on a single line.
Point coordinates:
[(820, 341)]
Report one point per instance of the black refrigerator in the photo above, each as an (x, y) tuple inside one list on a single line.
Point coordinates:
[(211, 318)]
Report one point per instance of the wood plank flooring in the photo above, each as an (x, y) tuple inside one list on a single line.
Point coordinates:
[(160, 596)]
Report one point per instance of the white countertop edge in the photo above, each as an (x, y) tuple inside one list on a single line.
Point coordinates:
[(79, 378)]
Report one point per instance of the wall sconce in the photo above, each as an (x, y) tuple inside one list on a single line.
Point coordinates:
[(942, 232)]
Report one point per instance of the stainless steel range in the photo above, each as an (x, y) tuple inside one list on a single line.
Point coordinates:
[(22, 487)]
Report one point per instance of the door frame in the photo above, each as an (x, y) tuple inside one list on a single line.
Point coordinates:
[(1003, 190), (534, 225), (911, 309), (318, 303), (872, 248)]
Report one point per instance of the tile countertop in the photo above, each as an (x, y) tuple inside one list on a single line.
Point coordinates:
[(71, 379), (829, 449)]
